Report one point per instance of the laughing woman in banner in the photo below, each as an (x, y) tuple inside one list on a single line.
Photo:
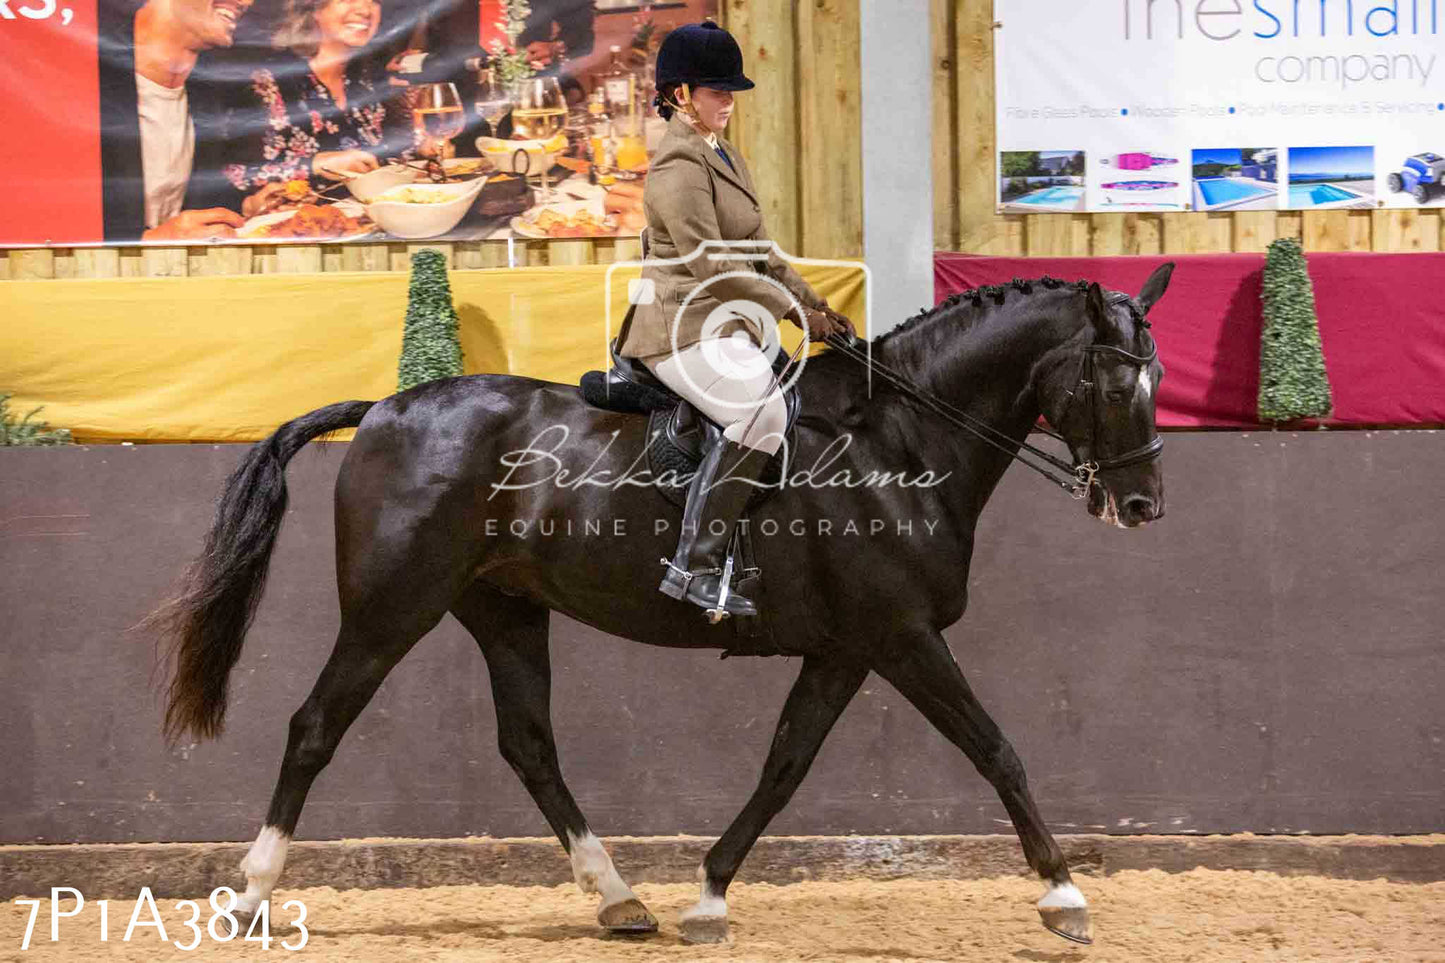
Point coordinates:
[(321, 112)]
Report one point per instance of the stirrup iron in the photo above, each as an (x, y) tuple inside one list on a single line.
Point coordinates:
[(720, 612)]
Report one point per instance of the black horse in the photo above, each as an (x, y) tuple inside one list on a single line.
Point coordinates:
[(437, 511)]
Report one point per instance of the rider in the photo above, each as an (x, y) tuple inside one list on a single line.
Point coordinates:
[(699, 189)]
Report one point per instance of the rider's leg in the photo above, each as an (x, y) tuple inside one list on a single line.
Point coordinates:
[(728, 380)]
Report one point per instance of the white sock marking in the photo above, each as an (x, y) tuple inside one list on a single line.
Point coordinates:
[(262, 866), (593, 870), (1066, 896), (709, 903)]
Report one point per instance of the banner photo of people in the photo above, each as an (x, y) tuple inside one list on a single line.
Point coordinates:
[(275, 121), (1223, 107)]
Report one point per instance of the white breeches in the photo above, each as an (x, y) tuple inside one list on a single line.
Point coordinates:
[(727, 379)]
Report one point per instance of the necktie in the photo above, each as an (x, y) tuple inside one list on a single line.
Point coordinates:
[(724, 155)]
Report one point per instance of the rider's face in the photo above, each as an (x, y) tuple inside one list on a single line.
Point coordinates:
[(714, 107)]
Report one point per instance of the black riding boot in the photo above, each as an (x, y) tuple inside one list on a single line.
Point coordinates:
[(716, 498)]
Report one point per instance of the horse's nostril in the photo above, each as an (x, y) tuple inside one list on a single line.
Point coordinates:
[(1139, 507)]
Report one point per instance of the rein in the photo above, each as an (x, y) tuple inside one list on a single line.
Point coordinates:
[(1079, 477)]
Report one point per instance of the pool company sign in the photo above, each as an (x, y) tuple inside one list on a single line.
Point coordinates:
[(1119, 105)]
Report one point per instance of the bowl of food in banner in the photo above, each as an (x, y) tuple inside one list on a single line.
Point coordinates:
[(522, 156), (424, 210), (464, 168), (366, 187)]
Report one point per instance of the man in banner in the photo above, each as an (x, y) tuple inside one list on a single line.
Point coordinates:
[(557, 29), (150, 135)]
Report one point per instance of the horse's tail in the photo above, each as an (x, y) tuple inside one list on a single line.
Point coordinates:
[(206, 622)]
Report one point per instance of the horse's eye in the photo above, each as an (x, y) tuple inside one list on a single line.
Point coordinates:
[(1117, 396)]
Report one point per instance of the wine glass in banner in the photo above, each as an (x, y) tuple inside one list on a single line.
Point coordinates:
[(439, 116), (493, 103), (539, 112)]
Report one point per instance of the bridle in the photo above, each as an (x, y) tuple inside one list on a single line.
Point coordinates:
[(1088, 386), (1079, 476)]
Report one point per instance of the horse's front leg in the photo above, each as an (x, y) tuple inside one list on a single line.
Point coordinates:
[(924, 671), (822, 691)]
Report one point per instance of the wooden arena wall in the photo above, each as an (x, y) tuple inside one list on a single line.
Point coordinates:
[(1265, 658), (800, 129)]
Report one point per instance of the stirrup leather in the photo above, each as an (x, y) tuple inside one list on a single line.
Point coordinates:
[(687, 576)]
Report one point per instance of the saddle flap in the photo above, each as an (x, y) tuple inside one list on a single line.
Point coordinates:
[(630, 369), (691, 431)]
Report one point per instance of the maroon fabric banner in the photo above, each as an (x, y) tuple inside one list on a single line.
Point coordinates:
[(1382, 323)]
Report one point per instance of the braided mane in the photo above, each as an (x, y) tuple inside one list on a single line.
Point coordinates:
[(975, 296)]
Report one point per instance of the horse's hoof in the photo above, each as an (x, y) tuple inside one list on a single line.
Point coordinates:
[(1070, 922), (628, 916), (705, 929)]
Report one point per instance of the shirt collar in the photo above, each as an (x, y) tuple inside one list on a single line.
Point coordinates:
[(710, 137)]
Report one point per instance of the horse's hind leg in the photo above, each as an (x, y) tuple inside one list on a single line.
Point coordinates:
[(821, 692), (512, 633), (393, 592), (924, 671), (361, 659)]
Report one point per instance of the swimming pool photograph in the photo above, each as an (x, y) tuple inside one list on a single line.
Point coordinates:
[(1331, 177), (1035, 181), (1236, 179)]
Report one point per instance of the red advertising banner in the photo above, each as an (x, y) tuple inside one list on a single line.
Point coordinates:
[(49, 122), (274, 121)]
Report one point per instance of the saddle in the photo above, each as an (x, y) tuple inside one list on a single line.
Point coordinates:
[(678, 437), (678, 434)]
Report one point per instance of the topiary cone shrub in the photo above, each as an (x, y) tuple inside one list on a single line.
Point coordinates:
[(27, 433), (430, 347), (1292, 379)]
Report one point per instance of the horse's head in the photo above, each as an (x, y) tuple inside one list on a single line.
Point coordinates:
[(1098, 392)]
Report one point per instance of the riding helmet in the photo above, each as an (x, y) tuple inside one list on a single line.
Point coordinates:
[(701, 55)]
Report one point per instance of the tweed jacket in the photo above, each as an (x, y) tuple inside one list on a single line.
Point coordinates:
[(692, 196)]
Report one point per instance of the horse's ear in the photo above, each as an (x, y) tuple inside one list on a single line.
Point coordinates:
[(1094, 309), (1155, 287)]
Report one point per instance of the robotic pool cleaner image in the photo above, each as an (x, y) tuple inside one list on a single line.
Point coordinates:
[(1420, 177)]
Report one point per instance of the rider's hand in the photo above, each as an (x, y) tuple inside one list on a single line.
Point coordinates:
[(844, 323), (819, 324)]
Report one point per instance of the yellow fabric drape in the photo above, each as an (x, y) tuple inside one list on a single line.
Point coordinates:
[(231, 358)]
